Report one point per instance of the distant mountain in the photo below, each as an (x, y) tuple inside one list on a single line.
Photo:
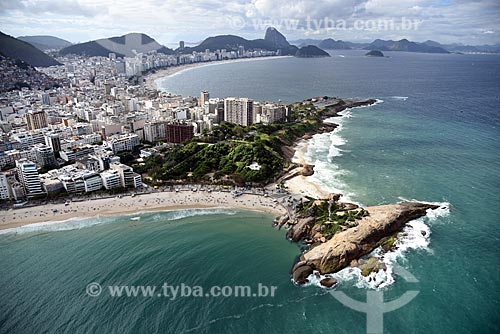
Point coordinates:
[(305, 42), (275, 38), (311, 51), (122, 46), (16, 49), (45, 43), (404, 45), (331, 44), (433, 43), (465, 48), (345, 44), (273, 41)]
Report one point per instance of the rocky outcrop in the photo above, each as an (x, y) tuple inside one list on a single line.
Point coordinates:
[(307, 170), (328, 282), (281, 220), (301, 229), (311, 51), (374, 53), (344, 247), (301, 272)]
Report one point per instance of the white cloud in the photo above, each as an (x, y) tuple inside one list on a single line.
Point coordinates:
[(467, 21)]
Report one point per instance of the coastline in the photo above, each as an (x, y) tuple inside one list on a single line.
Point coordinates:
[(306, 185), (300, 184), (151, 78), (126, 205), (162, 201)]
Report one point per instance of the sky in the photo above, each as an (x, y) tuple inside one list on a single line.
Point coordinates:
[(471, 22)]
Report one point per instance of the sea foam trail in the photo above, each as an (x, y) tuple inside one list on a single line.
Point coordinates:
[(181, 214), (414, 236), (77, 223), (53, 226), (330, 145)]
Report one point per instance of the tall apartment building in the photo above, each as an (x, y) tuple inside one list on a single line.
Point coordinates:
[(126, 142), (36, 120), (45, 156), (204, 97), (216, 107), (238, 111), (179, 133), (128, 178), (4, 187), (28, 176), (111, 179), (155, 131), (269, 113), (54, 141), (77, 153)]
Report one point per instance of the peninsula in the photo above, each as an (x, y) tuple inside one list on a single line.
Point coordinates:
[(215, 168)]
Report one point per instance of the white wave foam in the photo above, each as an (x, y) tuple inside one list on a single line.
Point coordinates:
[(400, 98), (83, 222), (181, 214), (414, 236), (53, 226)]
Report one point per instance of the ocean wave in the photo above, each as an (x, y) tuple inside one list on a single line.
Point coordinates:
[(399, 98), (54, 226), (414, 236), (186, 213), (77, 223)]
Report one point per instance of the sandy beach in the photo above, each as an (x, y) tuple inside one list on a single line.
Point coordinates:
[(166, 72), (303, 185), (126, 204)]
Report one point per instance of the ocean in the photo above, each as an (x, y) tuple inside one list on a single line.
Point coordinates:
[(433, 136)]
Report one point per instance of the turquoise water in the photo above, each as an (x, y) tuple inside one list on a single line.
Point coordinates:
[(435, 137)]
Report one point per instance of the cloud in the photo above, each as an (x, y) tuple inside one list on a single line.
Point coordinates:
[(466, 21), (58, 7)]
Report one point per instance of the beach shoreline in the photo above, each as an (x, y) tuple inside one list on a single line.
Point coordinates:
[(130, 205), (300, 184), (152, 78)]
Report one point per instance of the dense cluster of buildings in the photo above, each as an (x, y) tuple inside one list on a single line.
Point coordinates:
[(15, 74), (69, 139)]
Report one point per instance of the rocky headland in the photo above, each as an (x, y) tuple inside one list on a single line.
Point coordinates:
[(340, 234)]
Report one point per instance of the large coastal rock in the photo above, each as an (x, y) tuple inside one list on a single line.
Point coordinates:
[(311, 51), (351, 244), (301, 230)]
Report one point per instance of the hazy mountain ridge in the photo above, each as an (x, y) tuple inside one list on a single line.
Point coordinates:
[(272, 41), (17, 49), (45, 43), (331, 44), (404, 45), (457, 47), (122, 46)]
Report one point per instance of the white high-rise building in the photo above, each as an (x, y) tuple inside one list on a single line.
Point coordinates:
[(45, 155), (28, 176), (111, 179), (204, 97), (4, 187), (155, 131), (238, 111)]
